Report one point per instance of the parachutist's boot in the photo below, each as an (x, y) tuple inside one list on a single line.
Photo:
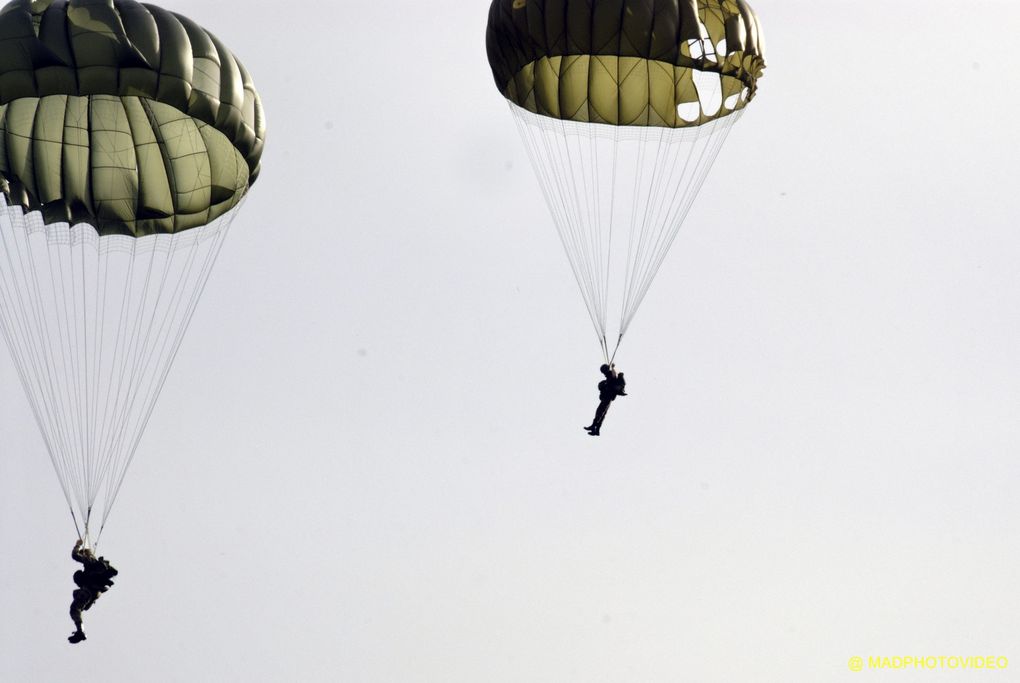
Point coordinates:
[(76, 637)]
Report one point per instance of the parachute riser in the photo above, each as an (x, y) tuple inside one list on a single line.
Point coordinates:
[(608, 357), (612, 358), (84, 531)]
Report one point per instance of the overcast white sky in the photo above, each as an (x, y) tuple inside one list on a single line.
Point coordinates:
[(367, 464)]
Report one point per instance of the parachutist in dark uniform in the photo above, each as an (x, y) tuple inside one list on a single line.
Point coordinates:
[(93, 579), (612, 386)]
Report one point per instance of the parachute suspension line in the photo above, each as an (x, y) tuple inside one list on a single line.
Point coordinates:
[(64, 262), (102, 286), (122, 349), (171, 343), (57, 404), (653, 226), (552, 185), (127, 397), (599, 179), (676, 210), (32, 229), (592, 192), (662, 216), (605, 350), (685, 207), (93, 324), (58, 261), (549, 184), (616, 348), (636, 259), (77, 529), (12, 317), (609, 249), (602, 247), (24, 349), (104, 455), (666, 183), (77, 319), (96, 461), (671, 214), (636, 195), (572, 164), (175, 317), (582, 224), (80, 317)]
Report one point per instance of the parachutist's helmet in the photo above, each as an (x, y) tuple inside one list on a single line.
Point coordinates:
[(604, 369)]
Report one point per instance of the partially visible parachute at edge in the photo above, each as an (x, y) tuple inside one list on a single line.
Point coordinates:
[(129, 137), (623, 106)]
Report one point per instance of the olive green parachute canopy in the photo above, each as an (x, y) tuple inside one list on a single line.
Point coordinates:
[(625, 62), (125, 116), (623, 106)]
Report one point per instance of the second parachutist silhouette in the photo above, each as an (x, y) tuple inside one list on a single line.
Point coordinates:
[(93, 579), (609, 388)]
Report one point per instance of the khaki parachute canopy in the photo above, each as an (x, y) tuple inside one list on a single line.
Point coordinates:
[(125, 116), (626, 62)]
